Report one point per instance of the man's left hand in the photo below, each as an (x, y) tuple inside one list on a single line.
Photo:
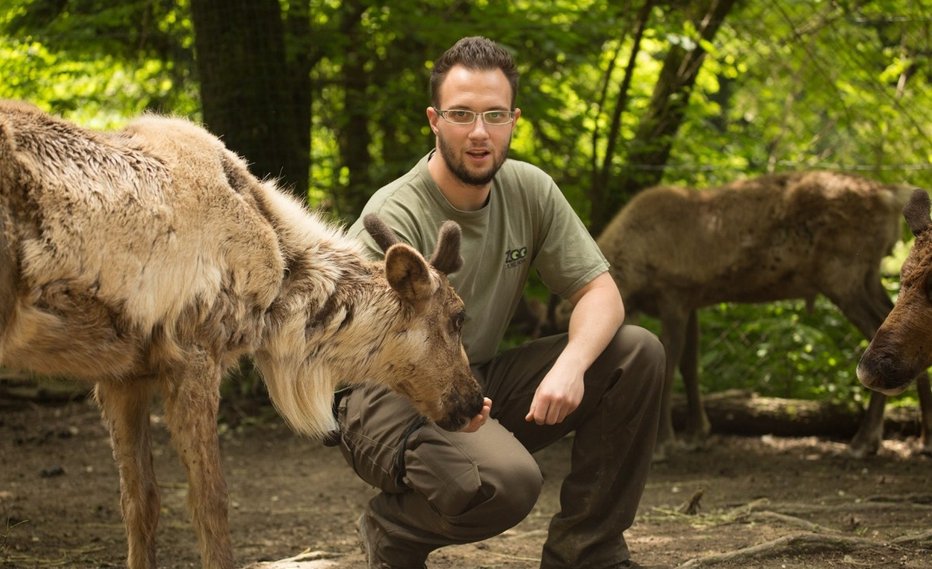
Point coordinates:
[(558, 395)]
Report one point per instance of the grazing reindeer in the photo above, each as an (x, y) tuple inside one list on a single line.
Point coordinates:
[(675, 250), (902, 348), (148, 260)]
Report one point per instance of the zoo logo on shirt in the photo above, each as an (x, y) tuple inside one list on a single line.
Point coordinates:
[(515, 257)]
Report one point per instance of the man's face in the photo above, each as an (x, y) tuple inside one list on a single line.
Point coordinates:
[(474, 152)]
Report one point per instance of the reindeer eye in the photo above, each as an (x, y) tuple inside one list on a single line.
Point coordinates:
[(456, 322)]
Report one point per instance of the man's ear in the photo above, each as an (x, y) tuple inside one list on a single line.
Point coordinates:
[(432, 118), (408, 273)]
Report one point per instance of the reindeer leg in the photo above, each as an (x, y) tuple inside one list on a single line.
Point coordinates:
[(192, 401), (866, 441), (673, 336), (125, 408), (881, 307), (925, 413), (866, 309), (697, 422)]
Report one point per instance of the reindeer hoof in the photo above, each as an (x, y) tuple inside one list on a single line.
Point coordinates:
[(862, 450), (663, 450)]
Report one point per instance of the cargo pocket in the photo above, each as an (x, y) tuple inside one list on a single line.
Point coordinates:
[(441, 471), (373, 453)]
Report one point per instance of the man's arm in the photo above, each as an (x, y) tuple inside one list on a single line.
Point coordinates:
[(598, 312)]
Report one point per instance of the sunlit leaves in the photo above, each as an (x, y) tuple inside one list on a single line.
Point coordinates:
[(88, 60), (785, 85)]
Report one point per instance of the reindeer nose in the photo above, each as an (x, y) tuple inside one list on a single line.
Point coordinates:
[(460, 410), (883, 374), (475, 406)]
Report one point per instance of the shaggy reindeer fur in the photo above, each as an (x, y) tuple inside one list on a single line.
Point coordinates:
[(675, 250), (149, 260)]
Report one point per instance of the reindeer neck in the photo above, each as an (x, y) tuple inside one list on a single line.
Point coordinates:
[(324, 328)]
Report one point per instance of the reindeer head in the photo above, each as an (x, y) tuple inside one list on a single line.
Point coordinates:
[(423, 350), (901, 348)]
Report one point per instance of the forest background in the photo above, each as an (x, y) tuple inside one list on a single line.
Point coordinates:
[(616, 96)]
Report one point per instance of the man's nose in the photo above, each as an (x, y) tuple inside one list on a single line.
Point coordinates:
[(479, 128)]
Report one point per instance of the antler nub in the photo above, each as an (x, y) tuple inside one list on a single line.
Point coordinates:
[(382, 233), (916, 211), (446, 257)]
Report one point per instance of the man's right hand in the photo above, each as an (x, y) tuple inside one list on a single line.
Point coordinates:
[(479, 419)]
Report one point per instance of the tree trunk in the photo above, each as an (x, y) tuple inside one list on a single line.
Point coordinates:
[(299, 89), (353, 134), (246, 91), (650, 149), (602, 175)]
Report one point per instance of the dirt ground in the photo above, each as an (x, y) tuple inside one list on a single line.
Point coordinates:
[(762, 502)]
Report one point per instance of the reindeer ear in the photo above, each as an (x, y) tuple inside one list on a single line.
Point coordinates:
[(382, 233), (408, 273), (446, 257), (916, 212)]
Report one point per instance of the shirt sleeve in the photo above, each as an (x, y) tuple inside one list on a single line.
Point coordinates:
[(568, 257)]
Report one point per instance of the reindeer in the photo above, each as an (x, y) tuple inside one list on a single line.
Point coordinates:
[(675, 250), (149, 260), (902, 348)]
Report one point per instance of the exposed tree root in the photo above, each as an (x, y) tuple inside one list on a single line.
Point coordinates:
[(305, 560), (792, 521), (794, 544), (812, 538), (925, 499), (924, 539)]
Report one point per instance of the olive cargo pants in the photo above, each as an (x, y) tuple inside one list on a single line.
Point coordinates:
[(441, 488)]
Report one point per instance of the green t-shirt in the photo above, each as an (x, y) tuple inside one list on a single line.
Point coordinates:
[(527, 223)]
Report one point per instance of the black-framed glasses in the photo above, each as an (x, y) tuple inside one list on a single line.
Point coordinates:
[(463, 116)]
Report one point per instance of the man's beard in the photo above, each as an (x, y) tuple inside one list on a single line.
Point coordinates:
[(458, 167)]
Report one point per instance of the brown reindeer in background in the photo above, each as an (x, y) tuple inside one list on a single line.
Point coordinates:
[(148, 260), (785, 236), (902, 348)]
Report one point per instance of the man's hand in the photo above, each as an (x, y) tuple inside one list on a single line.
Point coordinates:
[(597, 314), (558, 395), (479, 419)]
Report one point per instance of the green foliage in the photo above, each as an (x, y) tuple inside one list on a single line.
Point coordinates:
[(785, 85), (782, 349), (94, 62), (779, 349), (803, 85), (787, 348)]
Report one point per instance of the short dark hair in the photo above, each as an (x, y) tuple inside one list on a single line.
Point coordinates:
[(476, 53)]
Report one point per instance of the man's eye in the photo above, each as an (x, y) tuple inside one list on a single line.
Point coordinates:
[(460, 115)]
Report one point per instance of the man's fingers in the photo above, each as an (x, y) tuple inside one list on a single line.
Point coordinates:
[(552, 416), (538, 416), (479, 419)]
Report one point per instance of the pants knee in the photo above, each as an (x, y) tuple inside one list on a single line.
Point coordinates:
[(512, 493), (636, 348), (653, 349), (478, 497)]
